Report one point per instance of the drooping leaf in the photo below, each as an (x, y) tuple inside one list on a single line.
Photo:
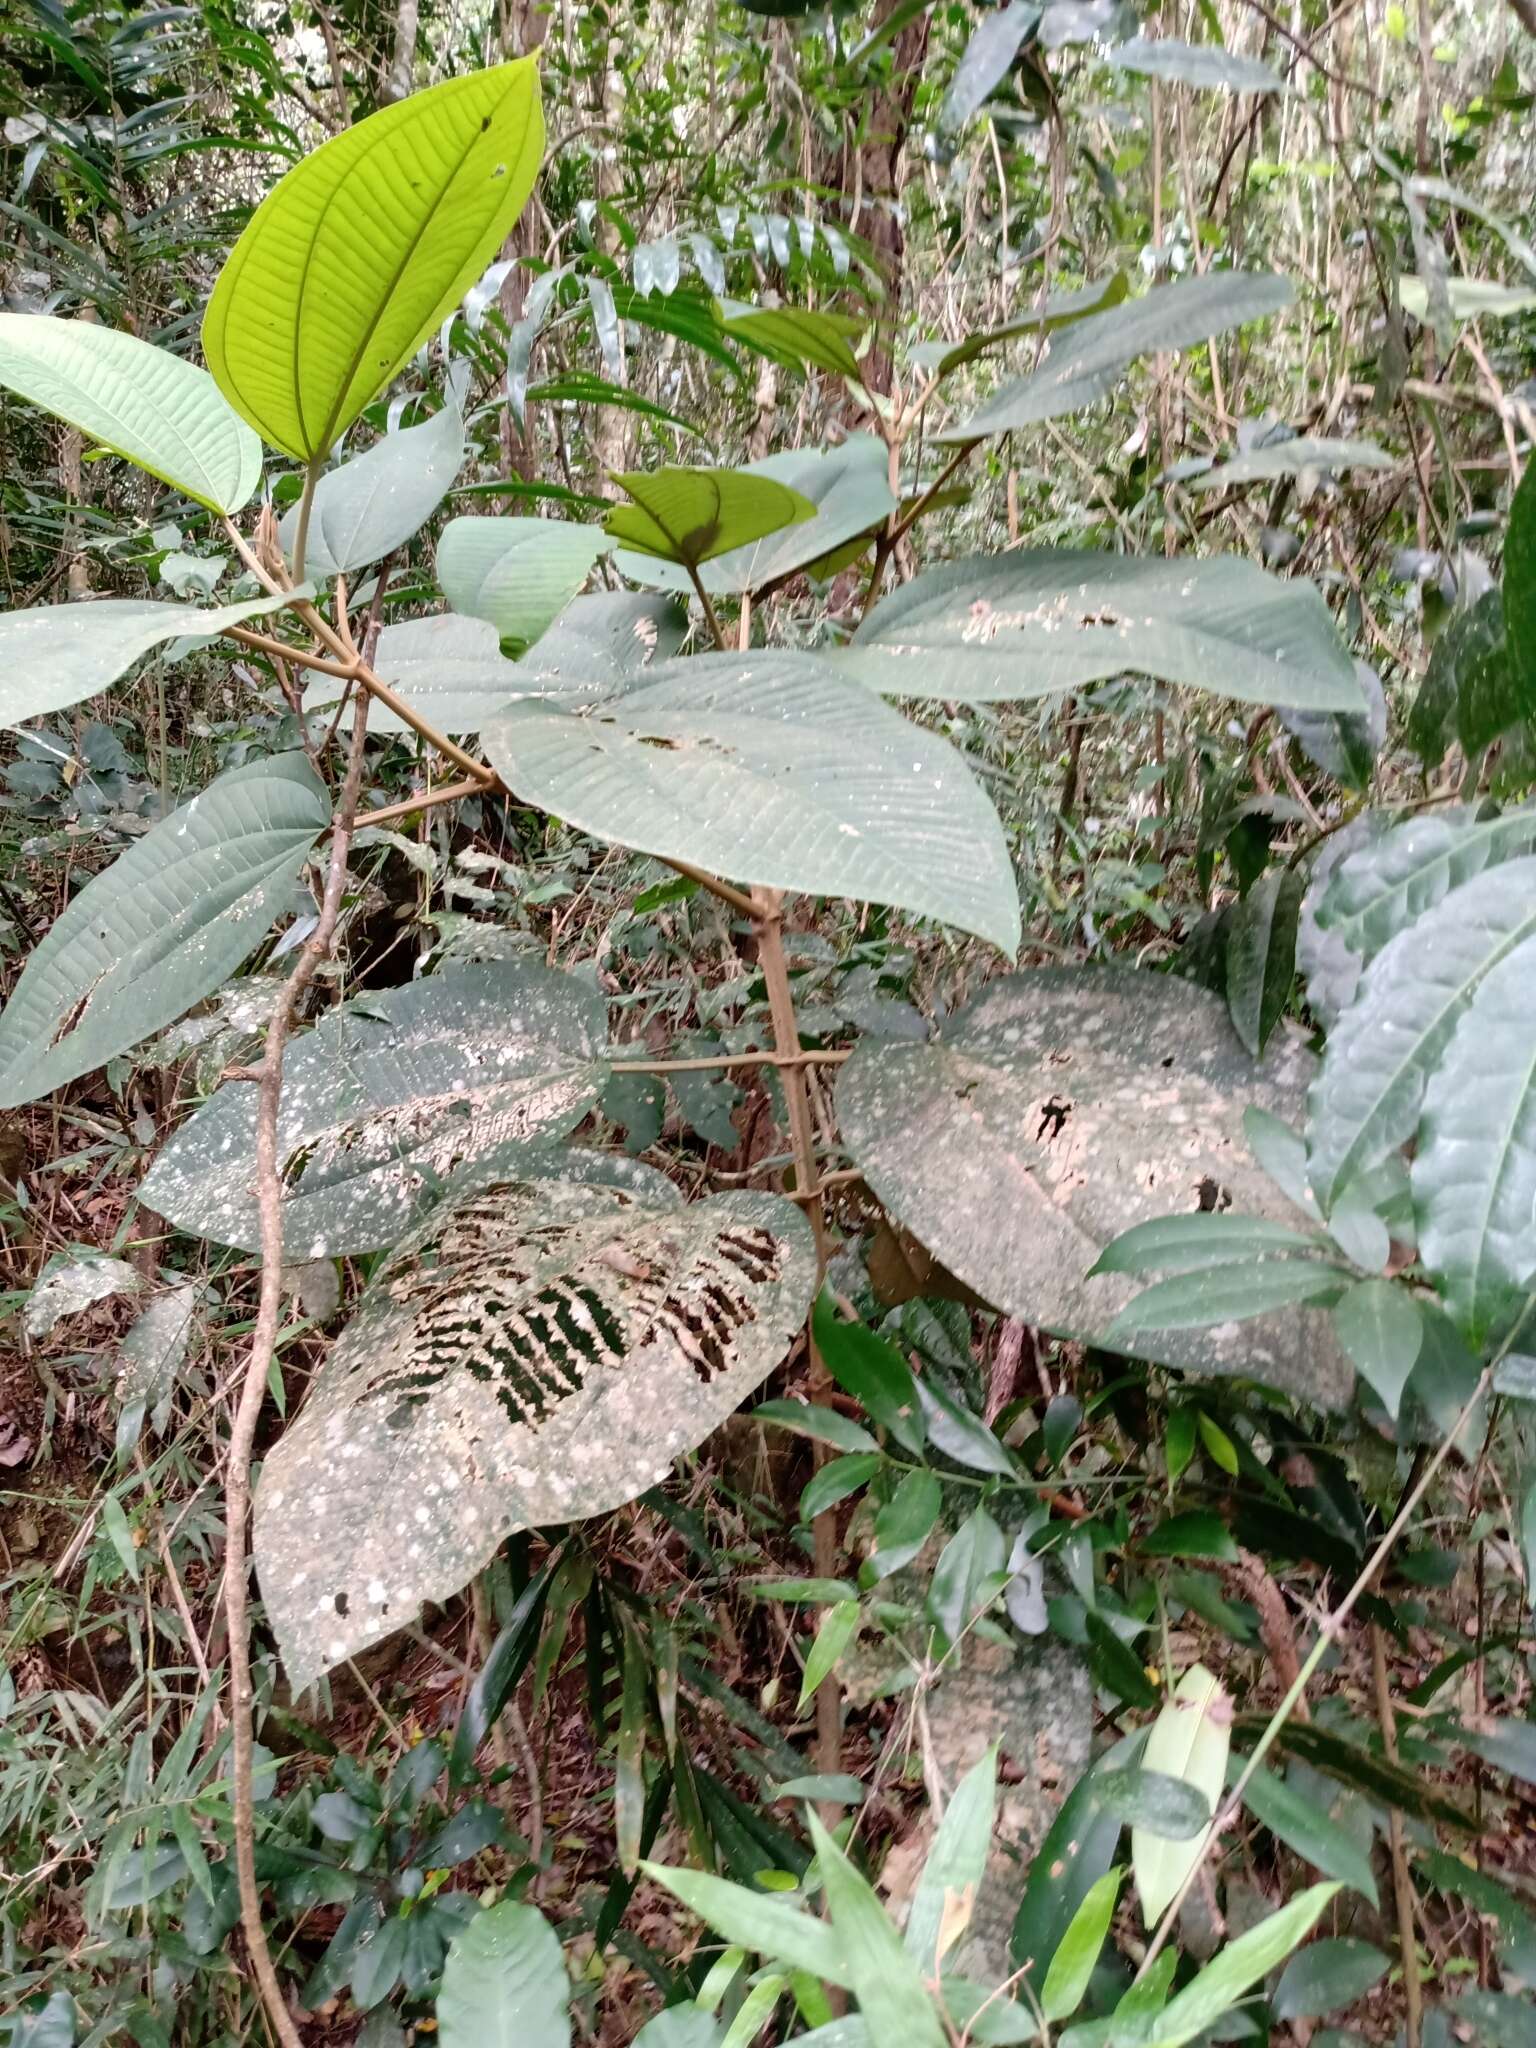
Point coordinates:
[(140, 401), (1344, 744), (1041, 621), (1057, 1110), (1382, 1330), (505, 1983), (1465, 680), (1474, 1172), (53, 655), (768, 768), (152, 1350), (370, 505), (692, 515), (995, 43), (796, 334), (1291, 458), (1205, 65), (353, 258), (603, 645), (1189, 1741), (171, 919), (74, 1280), (518, 573), (1380, 888), (1087, 360), (849, 488), (892, 2000), (1239, 1966), (533, 1352), (384, 1099), (1261, 955), (1367, 1098)]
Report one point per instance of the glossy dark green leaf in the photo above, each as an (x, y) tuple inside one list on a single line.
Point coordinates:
[(1304, 1826), (1197, 1533), (873, 1371), (1324, 1976), (1261, 955)]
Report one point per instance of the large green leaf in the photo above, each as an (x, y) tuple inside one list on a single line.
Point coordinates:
[(604, 644), (1198, 64), (692, 515), (170, 919), (1367, 1099), (520, 574), (384, 1099), (1088, 359), (1290, 458), (1189, 1741), (505, 1983), (54, 655), (1057, 1110), (849, 487), (1045, 620), (354, 257), (138, 400), (372, 504), (769, 768), (451, 670), (1379, 889), (1474, 1173), (533, 1352)]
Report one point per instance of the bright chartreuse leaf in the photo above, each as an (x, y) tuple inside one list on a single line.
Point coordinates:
[(54, 655), (768, 768), (691, 515), (354, 257), (140, 401), (505, 1984), (1088, 359), (520, 574), (372, 504), (796, 334), (1072, 1966), (849, 488), (1198, 64), (1367, 1100), (1189, 1741), (1045, 620), (172, 918)]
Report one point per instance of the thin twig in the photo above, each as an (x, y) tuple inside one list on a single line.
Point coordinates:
[(1402, 1883)]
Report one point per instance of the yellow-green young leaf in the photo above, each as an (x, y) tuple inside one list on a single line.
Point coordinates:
[(1072, 1965), (140, 401), (356, 255), (1189, 1740), (691, 515), (838, 1627)]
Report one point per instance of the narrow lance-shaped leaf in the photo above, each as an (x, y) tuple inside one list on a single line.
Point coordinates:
[(1290, 458), (1239, 1966), (1205, 65), (140, 401), (172, 918), (1261, 955), (351, 261), (531, 1353)]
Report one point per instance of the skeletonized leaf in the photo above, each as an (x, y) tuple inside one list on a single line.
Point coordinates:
[(849, 487), (1367, 1099), (1045, 620), (1474, 1174), (1057, 1110), (53, 655), (386, 1098), (531, 1353), (520, 574), (354, 257), (171, 919), (692, 515), (140, 401), (1199, 64), (370, 505), (1290, 458), (769, 768), (1088, 359)]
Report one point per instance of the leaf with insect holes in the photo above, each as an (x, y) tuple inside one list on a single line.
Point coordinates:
[(1044, 620), (1056, 1111), (531, 1353), (767, 767), (166, 415), (385, 1098), (353, 258), (165, 924)]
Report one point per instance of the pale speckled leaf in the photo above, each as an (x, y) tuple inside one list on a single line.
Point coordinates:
[(152, 1351), (386, 1098), (1367, 1098), (171, 919), (1290, 458), (1087, 360), (371, 504), (769, 768), (518, 573), (530, 1354), (166, 415), (1379, 889), (54, 654), (603, 644), (850, 488), (73, 1280), (1206, 65), (1057, 1110), (1044, 620)]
